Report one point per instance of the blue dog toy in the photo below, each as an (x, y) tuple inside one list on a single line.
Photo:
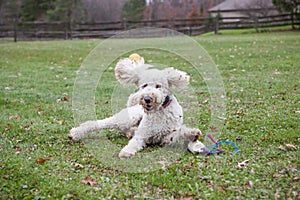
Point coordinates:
[(215, 149)]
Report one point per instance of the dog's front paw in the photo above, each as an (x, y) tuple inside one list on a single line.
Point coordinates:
[(74, 135), (195, 134), (126, 154), (196, 147)]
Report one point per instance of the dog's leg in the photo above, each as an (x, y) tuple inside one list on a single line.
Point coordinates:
[(134, 145), (123, 121), (189, 135)]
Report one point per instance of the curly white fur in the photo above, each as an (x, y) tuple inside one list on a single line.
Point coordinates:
[(153, 112)]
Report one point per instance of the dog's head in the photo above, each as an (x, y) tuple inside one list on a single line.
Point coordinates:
[(154, 85)]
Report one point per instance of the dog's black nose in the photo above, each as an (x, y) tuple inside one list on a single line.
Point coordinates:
[(147, 99)]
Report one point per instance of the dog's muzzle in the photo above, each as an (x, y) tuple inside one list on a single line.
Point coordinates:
[(148, 103), (147, 99)]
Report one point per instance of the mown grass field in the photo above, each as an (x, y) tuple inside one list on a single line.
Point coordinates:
[(261, 77)]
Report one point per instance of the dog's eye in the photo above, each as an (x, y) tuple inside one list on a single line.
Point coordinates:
[(158, 86), (145, 85)]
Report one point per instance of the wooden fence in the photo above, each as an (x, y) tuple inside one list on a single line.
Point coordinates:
[(194, 26)]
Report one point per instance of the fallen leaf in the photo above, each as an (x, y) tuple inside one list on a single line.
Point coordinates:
[(8, 127), (89, 181), (277, 175), (276, 195), (42, 160), (189, 196), (163, 163), (242, 164), (18, 149), (78, 165), (213, 128), (16, 116), (66, 99), (205, 101), (24, 186), (281, 148), (293, 169), (295, 193), (220, 188), (249, 184), (291, 146), (276, 72)]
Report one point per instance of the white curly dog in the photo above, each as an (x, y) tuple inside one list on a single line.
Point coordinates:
[(153, 114)]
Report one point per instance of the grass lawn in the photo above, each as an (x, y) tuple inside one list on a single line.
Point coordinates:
[(261, 78)]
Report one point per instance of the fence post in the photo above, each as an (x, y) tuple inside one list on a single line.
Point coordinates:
[(15, 25), (171, 23), (124, 22), (292, 20), (256, 24), (217, 24), (71, 29), (65, 25)]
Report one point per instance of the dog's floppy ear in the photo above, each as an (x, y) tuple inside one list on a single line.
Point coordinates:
[(177, 78), (126, 72)]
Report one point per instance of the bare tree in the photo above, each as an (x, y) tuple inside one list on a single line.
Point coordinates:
[(166, 9), (255, 8), (10, 11), (104, 10)]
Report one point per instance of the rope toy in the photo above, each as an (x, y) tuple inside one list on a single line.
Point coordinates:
[(215, 149)]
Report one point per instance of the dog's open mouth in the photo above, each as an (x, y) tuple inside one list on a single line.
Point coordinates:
[(148, 107)]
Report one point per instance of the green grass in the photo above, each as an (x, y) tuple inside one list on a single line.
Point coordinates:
[(251, 30), (261, 77)]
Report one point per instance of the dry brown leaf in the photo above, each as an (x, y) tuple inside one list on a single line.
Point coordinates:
[(249, 184), (89, 181), (66, 99), (8, 127), (42, 160), (189, 196)]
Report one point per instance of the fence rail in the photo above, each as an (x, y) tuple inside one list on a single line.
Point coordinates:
[(190, 26)]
